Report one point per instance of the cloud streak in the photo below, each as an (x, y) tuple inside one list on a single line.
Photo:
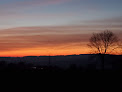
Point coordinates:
[(107, 20), (45, 37), (35, 37)]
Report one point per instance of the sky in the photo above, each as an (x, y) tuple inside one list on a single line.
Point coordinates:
[(55, 27)]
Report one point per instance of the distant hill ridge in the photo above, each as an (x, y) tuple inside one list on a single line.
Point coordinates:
[(63, 61)]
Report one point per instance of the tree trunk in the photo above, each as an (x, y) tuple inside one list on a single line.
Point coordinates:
[(102, 61), (102, 58)]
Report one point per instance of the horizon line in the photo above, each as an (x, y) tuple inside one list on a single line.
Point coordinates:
[(55, 55)]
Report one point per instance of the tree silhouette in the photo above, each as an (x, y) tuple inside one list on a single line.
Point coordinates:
[(103, 43)]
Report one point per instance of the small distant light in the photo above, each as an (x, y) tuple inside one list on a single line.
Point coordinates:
[(42, 68), (34, 67)]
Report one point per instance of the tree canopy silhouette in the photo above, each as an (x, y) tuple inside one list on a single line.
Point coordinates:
[(104, 42)]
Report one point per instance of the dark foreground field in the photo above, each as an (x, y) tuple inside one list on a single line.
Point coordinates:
[(54, 79), (27, 77)]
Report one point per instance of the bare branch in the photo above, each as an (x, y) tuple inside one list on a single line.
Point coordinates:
[(103, 42)]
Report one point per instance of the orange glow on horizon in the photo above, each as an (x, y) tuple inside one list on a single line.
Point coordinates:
[(46, 52), (43, 52)]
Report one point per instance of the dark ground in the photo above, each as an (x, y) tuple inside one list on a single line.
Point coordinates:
[(26, 78), (61, 81)]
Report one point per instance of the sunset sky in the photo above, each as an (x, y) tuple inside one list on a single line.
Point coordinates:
[(55, 27)]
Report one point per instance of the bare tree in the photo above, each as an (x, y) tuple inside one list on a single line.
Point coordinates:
[(104, 43)]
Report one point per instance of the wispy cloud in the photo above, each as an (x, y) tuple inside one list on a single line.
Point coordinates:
[(46, 37), (15, 9), (111, 20), (33, 37)]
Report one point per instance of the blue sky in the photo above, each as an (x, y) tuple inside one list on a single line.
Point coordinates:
[(18, 13)]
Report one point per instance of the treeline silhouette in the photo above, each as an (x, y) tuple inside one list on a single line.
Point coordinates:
[(91, 67)]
